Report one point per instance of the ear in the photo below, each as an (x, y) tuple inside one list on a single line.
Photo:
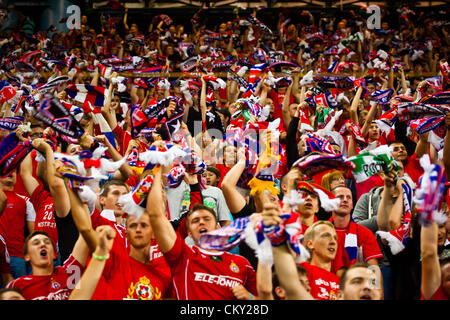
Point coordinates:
[(340, 295), (101, 200), (309, 245), (280, 292)]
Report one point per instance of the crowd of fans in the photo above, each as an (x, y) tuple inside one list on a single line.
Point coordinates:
[(240, 161)]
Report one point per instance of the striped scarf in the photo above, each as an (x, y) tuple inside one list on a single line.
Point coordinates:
[(428, 197), (12, 152), (288, 231), (351, 240)]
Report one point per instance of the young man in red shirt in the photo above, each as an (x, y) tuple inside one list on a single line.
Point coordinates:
[(360, 282), (198, 274), (352, 237), (17, 216), (321, 240), (47, 282), (135, 268)]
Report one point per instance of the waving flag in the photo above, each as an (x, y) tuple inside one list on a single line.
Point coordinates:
[(253, 20), (325, 99), (11, 123), (438, 98), (7, 91), (429, 195), (316, 162), (424, 125), (382, 96), (90, 96), (53, 83), (138, 120), (435, 83), (242, 229), (387, 120), (255, 72), (372, 162), (54, 114), (12, 152)]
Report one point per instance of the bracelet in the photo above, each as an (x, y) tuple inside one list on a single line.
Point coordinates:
[(251, 296), (101, 258)]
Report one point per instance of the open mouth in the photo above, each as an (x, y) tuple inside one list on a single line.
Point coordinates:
[(43, 253), (331, 250), (203, 230), (365, 297)]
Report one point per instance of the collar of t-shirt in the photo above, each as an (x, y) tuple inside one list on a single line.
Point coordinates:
[(108, 214)]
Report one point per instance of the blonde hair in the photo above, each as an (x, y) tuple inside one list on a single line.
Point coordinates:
[(310, 233)]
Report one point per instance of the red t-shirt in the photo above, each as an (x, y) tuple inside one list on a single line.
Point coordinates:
[(45, 213), (277, 98), (324, 284), (365, 239), (19, 187), (56, 286), (123, 138), (438, 295), (202, 275), (223, 171), (125, 278), (13, 223), (413, 168)]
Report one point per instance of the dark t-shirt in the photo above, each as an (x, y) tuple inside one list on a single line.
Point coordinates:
[(244, 249), (406, 269), (67, 235)]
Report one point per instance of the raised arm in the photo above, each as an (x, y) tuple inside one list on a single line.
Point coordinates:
[(235, 201), (396, 214), (386, 205), (107, 112), (82, 219), (354, 106), (89, 280), (285, 107), (283, 260), (370, 117), (55, 184), (162, 228), (431, 270), (125, 172), (422, 146)]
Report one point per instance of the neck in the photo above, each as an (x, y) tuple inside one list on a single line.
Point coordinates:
[(320, 262), (341, 221), (140, 254), (42, 271), (307, 220)]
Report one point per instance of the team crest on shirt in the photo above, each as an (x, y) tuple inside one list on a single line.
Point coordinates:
[(234, 267), (143, 290), (55, 285)]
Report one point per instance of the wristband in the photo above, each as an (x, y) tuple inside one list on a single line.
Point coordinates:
[(101, 258), (251, 296)]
